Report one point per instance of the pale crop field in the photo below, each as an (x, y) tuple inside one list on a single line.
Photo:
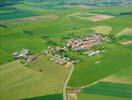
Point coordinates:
[(127, 31), (129, 42), (97, 18), (102, 29), (19, 82), (122, 76)]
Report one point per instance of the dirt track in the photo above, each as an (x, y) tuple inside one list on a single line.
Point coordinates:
[(126, 42)]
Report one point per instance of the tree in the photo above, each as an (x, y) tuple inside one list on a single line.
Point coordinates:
[(112, 37)]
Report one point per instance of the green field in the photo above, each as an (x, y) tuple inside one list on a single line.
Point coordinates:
[(20, 82), (13, 13), (83, 96), (48, 97), (110, 89), (106, 89), (113, 60)]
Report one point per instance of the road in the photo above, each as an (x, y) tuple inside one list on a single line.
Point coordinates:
[(66, 82)]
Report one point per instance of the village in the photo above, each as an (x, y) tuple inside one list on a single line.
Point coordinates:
[(85, 43), (57, 53)]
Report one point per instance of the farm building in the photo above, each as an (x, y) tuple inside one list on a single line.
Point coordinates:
[(31, 58), (22, 54)]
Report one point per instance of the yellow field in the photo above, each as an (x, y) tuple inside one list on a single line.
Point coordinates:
[(127, 31), (102, 29)]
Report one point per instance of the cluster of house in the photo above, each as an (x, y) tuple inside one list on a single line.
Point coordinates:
[(84, 43), (57, 59), (63, 60), (24, 54), (52, 52)]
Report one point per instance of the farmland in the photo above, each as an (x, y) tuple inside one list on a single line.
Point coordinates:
[(100, 97), (122, 76), (102, 29), (107, 66), (30, 79), (102, 90), (117, 82), (110, 89), (43, 24)]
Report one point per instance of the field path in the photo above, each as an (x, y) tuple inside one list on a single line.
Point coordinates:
[(66, 82)]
